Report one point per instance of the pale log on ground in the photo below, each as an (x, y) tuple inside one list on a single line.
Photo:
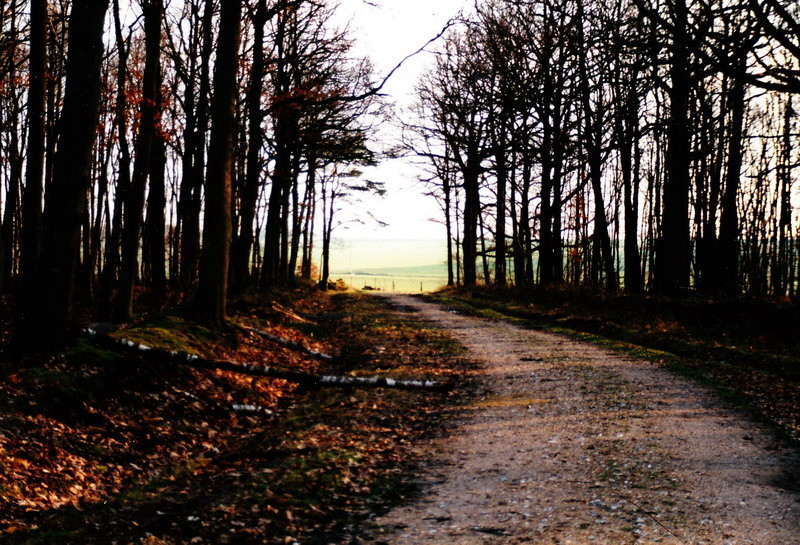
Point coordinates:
[(260, 370), (572, 444)]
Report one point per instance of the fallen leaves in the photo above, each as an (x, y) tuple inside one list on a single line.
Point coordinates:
[(102, 449)]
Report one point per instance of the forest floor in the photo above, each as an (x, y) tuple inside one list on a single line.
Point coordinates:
[(103, 447), (544, 438)]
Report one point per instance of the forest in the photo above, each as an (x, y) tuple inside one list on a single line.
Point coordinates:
[(187, 152), (180, 150), (625, 145), (175, 370)]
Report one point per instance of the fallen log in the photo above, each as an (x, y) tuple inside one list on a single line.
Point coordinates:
[(305, 379), (290, 344)]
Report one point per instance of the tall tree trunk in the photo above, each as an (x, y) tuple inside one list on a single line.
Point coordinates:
[(282, 175), (782, 277), (309, 201), (673, 246), (112, 248), (729, 220), (252, 179), (545, 211), (472, 207), (628, 122), (192, 186), (294, 250), (155, 225), (448, 222), (9, 238), (215, 258), (710, 278), (65, 199), (500, 224), (556, 182), (327, 233), (134, 204), (592, 136), (31, 235), (525, 226)]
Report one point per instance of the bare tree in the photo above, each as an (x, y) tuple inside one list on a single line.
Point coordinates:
[(211, 298)]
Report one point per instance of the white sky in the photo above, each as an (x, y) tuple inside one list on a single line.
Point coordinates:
[(387, 33)]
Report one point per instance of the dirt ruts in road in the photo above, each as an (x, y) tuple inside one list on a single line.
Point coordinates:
[(573, 444)]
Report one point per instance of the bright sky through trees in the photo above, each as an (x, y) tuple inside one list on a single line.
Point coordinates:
[(387, 31)]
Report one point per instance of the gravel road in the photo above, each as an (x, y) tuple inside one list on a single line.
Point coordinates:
[(573, 444)]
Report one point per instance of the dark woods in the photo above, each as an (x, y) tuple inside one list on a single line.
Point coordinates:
[(184, 152), (623, 144), (180, 148)]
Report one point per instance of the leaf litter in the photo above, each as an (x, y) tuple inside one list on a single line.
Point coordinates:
[(97, 447)]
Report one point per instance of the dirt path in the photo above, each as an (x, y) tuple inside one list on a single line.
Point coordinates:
[(573, 444)]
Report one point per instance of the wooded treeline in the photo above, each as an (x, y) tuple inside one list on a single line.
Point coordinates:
[(178, 146), (621, 144)]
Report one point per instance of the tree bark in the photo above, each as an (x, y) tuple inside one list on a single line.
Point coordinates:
[(472, 207), (134, 204), (65, 200), (108, 279), (592, 143), (215, 258), (728, 260), (155, 225), (252, 180), (627, 123), (31, 235), (673, 246), (192, 183)]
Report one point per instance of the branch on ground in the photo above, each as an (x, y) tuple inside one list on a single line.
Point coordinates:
[(305, 379)]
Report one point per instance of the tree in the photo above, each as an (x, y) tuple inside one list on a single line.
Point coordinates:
[(212, 291), (248, 198), (594, 128), (673, 246), (31, 233), (135, 199), (65, 199), (454, 93)]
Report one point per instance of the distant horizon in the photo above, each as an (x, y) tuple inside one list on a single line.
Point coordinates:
[(368, 254)]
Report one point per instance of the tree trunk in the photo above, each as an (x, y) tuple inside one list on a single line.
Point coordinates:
[(134, 204), (629, 158), (308, 222), (448, 222), (155, 225), (294, 240), (252, 179), (673, 246), (545, 211), (192, 185), (327, 233), (31, 235), (592, 136), (108, 280), (472, 208), (281, 178), (307, 379), (729, 219), (782, 278), (500, 225), (65, 200), (9, 238), (215, 257)]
